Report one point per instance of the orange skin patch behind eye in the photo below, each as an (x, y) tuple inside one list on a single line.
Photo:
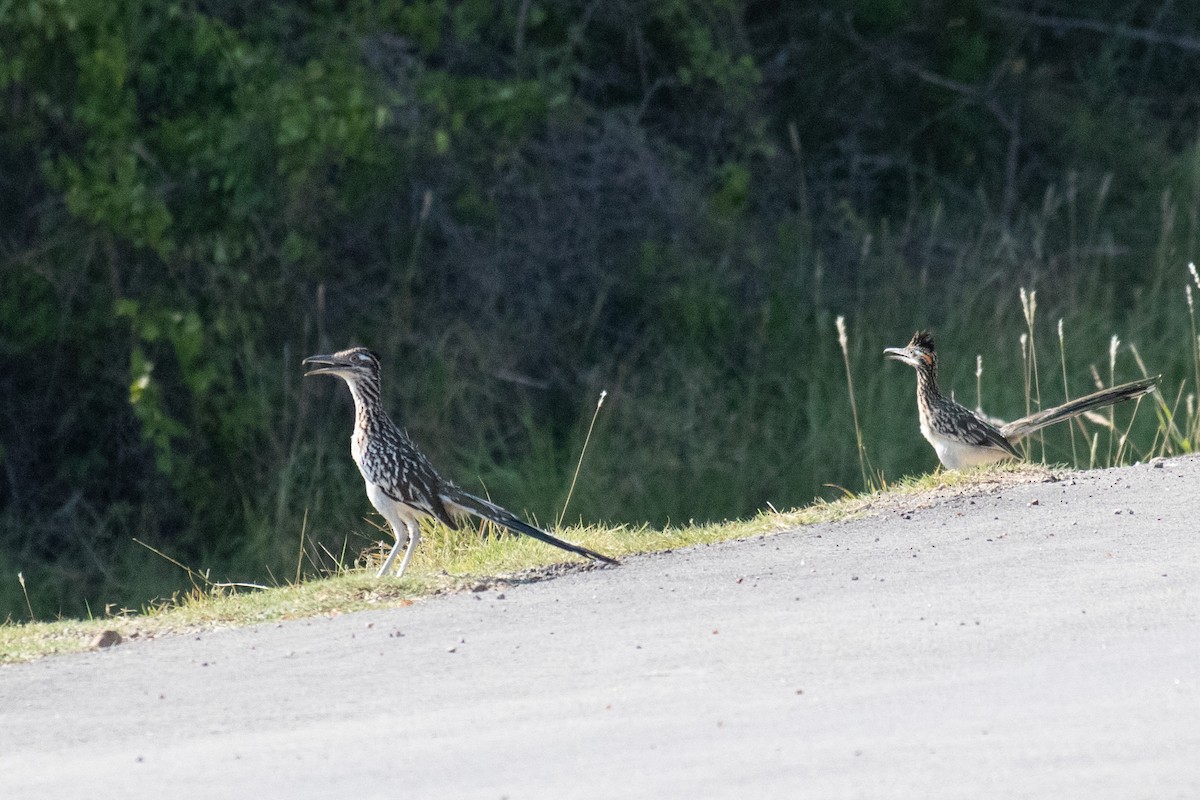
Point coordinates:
[(927, 358)]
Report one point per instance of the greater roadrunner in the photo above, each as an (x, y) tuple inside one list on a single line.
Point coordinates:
[(964, 439), (401, 483)]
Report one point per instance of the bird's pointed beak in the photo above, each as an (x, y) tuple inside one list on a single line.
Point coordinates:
[(321, 365), (900, 354)]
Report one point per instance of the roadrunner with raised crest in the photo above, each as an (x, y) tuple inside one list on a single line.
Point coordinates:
[(964, 439), (401, 483)]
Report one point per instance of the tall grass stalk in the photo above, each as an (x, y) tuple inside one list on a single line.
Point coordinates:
[(300, 554), (844, 343), (1025, 372), (1194, 431), (978, 382), (579, 463), (1113, 344), (1124, 440), (1029, 310), (25, 591), (1194, 417), (1062, 357), (1182, 442), (1168, 430), (1191, 305), (1024, 342)]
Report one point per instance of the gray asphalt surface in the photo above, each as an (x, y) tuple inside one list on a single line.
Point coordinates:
[(983, 647)]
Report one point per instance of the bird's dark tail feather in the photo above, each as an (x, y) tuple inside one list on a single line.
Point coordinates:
[(458, 500), (1105, 397)]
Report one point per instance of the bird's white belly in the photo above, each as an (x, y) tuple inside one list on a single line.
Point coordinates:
[(397, 514), (955, 454)]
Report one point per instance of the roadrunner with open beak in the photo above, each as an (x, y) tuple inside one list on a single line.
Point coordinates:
[(962, 438), (401, 483)]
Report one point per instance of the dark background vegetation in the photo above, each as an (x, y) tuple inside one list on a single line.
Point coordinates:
[(520, 203)]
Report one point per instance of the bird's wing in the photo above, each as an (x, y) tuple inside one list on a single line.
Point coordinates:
[(407, 477), (968, 426)]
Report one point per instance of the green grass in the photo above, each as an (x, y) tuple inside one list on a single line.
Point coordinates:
[(449, 561), (720, 409)]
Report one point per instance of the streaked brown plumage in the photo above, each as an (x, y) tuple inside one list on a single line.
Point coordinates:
[(401, 483), (961, 437)]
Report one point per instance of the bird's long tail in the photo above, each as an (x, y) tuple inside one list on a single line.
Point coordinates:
[(458, 500), (1105, 397)]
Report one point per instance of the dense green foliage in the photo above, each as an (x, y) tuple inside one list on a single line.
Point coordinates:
[(520, 203)]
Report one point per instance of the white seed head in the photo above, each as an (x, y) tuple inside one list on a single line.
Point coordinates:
[(1195, 276), (1029, 305), (978, 365), (841, 329)]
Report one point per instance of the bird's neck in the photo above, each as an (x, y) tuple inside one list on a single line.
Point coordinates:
[(368, 404), (928, 394), (927, 378)]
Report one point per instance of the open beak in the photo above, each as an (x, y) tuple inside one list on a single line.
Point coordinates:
[(322, 365), (901, 354)]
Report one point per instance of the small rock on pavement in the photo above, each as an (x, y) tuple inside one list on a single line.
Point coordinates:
[(106, 639)]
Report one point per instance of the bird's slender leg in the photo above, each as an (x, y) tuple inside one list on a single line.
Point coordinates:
[(414, 536), (391, 557)]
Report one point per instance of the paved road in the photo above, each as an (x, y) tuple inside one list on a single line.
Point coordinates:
[(984, 647)]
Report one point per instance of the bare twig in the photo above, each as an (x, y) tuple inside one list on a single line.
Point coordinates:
[(519, 36), (1189, 43)]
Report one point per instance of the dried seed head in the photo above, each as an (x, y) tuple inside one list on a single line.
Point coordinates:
[(1028, 305)]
